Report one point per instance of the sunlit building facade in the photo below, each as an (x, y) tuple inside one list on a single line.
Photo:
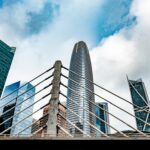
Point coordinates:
[(60, 120), (81, 64)]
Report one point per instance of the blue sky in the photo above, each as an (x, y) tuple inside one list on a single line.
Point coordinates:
[(98, 23), (117, 17), (42, 19)]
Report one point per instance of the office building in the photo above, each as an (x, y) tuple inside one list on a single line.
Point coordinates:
[(60, 120), (15, 103), (80, 64), (140, 98), (104, 116), (6, 57)]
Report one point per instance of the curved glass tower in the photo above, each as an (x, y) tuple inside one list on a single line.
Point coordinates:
[(81, 64)]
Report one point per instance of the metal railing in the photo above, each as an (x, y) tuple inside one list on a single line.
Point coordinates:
[(56, 123)]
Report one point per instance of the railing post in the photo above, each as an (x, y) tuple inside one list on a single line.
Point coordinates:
[(53, 108)]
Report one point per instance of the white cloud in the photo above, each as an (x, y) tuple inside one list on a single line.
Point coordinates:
[(14, 19), (126, 52), (38, 51)]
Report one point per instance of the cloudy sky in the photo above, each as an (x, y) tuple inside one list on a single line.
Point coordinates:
[(116, 32)]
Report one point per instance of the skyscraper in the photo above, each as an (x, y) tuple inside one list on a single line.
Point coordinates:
[(6, 57), (8, 123), (17, 108), (2, 128), (104, 116), (140, 98), (81, 64)]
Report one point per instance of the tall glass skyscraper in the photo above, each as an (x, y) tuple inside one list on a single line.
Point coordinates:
[(17, 100), (140, 98), (104, 116), (6, 57), (81, 64)]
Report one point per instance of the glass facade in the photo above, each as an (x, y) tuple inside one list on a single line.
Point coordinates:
[(1, 126), (81, 64), (6, 57), (140, 98), (104, 116), (7, 116), (17, 100)]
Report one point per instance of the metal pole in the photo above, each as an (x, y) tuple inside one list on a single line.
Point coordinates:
[(53, 107)]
